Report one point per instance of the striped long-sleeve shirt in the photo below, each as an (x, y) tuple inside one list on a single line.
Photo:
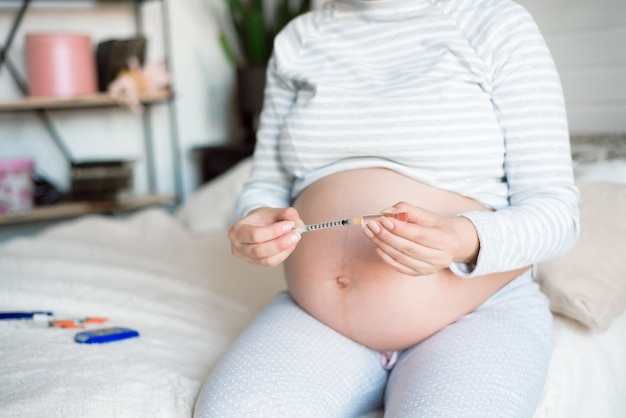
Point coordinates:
[(459, 94)]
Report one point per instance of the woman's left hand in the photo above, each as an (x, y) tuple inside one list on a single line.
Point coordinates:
[(426, 243)]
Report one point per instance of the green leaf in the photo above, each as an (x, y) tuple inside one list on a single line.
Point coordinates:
[(228, 51), (254, 35), (257, 42)]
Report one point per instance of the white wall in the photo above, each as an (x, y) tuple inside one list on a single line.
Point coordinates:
[(587, 39), (588, 42), (203, 80)]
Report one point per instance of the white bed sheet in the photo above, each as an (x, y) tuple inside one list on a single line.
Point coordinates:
[(174, 280), (186, 296), (587, 376)]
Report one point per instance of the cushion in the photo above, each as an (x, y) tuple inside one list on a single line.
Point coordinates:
[(211, 207), (588, 283)]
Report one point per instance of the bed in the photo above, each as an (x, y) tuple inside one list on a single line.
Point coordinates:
[(171, 277)]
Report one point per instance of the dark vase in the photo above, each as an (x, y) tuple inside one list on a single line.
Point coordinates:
[(250, 90)]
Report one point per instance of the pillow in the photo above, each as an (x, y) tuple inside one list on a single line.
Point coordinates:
[(211, 207), (588, 283)]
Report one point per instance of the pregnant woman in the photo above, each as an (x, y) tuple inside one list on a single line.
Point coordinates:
[(450, 111)]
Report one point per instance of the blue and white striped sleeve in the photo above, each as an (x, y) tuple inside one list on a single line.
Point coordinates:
[(269, 184), (542, 219)]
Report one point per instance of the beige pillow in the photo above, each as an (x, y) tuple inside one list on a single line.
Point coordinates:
[(588, 284)]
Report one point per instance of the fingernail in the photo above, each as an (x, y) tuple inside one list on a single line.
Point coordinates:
[(387, 224), (373, 226), (288, 226), (367, 231), (295, 237)]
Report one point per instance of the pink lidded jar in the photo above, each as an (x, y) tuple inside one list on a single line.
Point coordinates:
[(16, 185), (60, 65)]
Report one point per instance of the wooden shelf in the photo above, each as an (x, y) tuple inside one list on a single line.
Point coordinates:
[(79, 102), (65, 3), (44, 108), (75, 209)]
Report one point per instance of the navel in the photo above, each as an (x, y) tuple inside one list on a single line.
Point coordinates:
[(343, 281)]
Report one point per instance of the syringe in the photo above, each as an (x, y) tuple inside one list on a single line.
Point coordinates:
[(357, 220)]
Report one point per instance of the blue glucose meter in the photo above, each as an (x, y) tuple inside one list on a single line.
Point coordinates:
[(105, 335)]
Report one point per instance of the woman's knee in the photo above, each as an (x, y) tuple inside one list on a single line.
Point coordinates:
[(491, 363), (289, 364)]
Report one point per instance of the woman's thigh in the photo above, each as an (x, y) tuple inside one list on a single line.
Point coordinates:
[(288, 364), (490, 363)]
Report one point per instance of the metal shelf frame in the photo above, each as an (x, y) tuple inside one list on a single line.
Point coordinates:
[(42, 110)]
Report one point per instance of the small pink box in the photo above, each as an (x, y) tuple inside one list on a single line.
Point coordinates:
[(60, 65), (16, 186)]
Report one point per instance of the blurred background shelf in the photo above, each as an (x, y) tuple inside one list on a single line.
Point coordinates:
[(45, 107), (75, 209), (80, 102)]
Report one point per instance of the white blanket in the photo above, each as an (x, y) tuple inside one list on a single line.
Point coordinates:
[(182, 294)]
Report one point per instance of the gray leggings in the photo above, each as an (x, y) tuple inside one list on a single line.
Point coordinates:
[(490, 363)]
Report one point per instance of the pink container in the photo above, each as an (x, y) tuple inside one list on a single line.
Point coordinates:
[(16, 186), (60, 65)]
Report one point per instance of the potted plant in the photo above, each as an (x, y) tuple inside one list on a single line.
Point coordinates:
[(255, 24)]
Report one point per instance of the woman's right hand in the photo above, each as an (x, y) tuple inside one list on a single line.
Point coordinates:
[(266, 235)]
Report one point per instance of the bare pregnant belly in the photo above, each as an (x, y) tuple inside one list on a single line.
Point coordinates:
[(336, 276)]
